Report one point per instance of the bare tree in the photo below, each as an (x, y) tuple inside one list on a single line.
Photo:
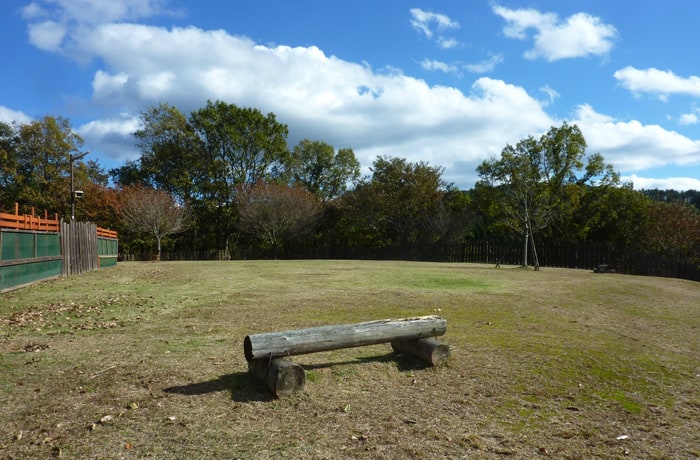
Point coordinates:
[(276, 214), (153, 211)]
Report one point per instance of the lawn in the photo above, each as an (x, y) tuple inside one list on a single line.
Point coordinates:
[(145, 360)]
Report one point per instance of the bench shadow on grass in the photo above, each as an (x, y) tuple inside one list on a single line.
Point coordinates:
[(245, 388)]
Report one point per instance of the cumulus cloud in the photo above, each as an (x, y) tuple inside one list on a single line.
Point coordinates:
[(632, 146), (50, 20), (113, 137), (10, 116), (579, 35), (668, 183), (689, 118), (374, 111), (659, 82)]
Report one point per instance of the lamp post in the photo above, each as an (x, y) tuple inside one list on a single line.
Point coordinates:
[(72, 182)]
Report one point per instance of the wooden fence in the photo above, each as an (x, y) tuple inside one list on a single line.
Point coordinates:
[(29, 221), (34, 248)]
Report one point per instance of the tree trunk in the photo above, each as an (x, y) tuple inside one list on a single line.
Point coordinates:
[(525, 243), (311, 340)]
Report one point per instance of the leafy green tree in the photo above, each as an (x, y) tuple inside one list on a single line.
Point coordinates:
[(8, 166), (238, 147), (170, 154), (397, 207), (612, 215), (42, 174), (541, 180), (317, 167)]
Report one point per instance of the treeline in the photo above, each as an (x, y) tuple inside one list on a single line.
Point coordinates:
[(248, 194)]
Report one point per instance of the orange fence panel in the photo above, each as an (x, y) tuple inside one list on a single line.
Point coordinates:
[(107, 233), (28, 222)]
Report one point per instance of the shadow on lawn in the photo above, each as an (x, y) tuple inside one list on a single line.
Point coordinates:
[(245, 388), (242, 385)]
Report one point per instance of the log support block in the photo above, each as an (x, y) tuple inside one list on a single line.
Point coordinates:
[(429, 350), (282, 377)]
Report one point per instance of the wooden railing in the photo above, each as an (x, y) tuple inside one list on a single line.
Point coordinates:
[(107, 233), (29, 221), (33, 222)]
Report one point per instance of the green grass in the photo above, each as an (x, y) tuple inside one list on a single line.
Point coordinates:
[(560, 360)]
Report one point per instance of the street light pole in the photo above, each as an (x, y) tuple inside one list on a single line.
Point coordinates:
[(72, 182)]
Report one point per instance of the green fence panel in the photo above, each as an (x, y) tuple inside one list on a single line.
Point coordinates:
[(107, 250), (48, 244), (12, 276), (19, 253)]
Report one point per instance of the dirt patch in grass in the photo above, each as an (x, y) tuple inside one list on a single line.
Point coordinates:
[(146, 361)]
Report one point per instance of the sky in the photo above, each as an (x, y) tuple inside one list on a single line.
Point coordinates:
[(446, 82)]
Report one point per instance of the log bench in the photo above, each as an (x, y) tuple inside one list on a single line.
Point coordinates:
[(268, 353)]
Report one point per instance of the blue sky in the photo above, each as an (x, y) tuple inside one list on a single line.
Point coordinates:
[(447, 82)]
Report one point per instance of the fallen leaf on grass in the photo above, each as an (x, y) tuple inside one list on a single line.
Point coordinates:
[(106, 419)]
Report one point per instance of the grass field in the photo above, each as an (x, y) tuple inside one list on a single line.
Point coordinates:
[(145, 360)]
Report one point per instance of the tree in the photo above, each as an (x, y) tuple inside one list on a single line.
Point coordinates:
[(238, 147), (396, 207), (673, 231), (326, 174), (537, 181), (8, 165), (612, 215), (170, 154), (276, 214), (42, 164), (153, 211)]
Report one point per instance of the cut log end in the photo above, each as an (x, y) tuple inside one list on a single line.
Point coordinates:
[(282, 377), (248, 349), (431, 351)]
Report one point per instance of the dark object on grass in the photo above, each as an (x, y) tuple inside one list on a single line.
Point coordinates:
[(603, 268)]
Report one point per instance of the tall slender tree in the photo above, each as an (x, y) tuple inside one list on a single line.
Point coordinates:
[(540, 180)]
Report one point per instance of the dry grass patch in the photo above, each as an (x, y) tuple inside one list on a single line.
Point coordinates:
[(146, 361)]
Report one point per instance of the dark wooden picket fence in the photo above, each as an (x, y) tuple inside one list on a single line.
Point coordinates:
[(564, 255)]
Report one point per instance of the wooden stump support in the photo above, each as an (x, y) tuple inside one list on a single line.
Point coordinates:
[(412, 336)]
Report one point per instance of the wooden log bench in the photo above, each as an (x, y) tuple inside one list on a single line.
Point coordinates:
[(268, 353)]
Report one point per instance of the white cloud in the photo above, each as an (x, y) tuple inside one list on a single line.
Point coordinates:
[(447, 43), (50, 20), (485, 66), (47, 35), (429, 64), (425, 21), (659, 82), (10, 116), (689, 118), (551, 93), (667, 183), (113, 137), (579, 35), (632, 146), (375, 112)]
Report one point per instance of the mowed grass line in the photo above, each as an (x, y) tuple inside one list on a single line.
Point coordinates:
[(145, 360)]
